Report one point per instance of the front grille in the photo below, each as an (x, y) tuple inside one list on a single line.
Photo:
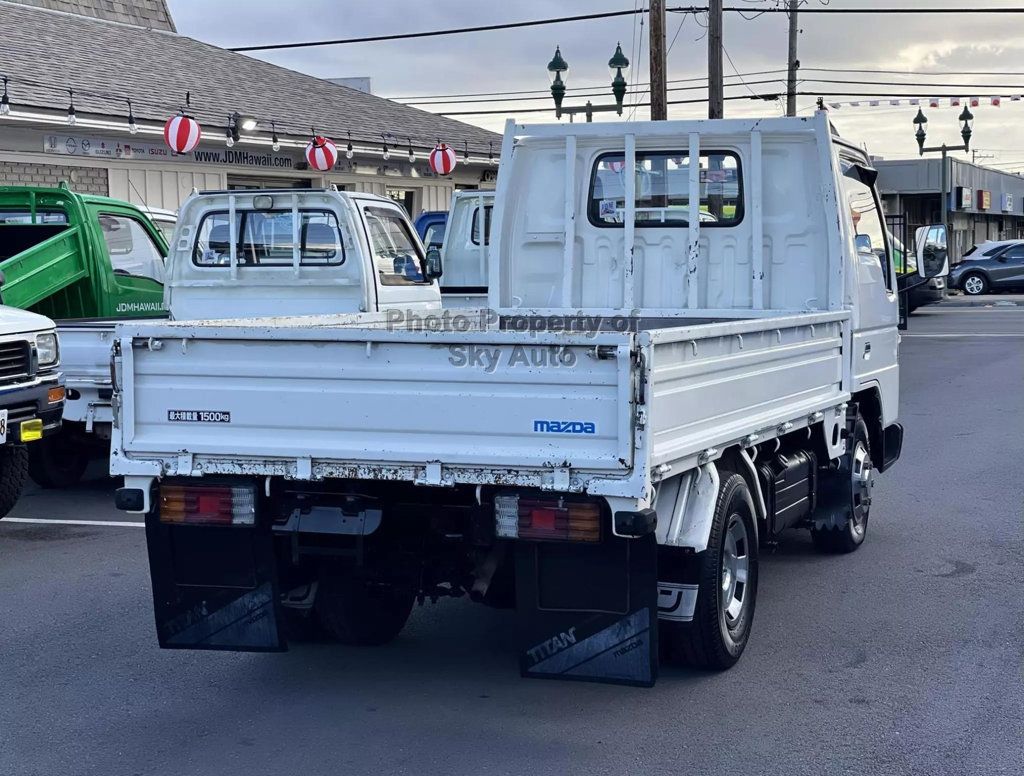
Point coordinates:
[(15, 360)]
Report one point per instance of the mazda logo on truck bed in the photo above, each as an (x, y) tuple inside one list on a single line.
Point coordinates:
[(564, 427)]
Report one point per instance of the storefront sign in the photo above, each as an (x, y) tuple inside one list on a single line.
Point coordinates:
[(131, 150), (984, 199), (1006, 203), (964, 197)]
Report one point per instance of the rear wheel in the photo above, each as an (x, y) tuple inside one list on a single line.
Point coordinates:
[(841, 523), (975, 284), (13, 471), (360, 611), (727, 593), (58, 461)]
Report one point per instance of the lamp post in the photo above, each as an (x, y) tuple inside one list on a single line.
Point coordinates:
[(966, 119), (558, 66)]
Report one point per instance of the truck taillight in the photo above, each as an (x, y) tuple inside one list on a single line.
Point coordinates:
[(208, 504), (538, 518)]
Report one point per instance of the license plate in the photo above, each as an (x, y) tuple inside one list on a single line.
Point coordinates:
[(3, 426)]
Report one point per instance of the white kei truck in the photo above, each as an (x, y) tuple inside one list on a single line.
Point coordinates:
[(650, 397), (329, 277)]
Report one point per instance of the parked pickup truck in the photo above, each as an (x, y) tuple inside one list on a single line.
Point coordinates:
[(651, 397), (31, 394), (90, 261)]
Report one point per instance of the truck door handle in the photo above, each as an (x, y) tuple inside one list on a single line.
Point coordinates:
[(867, 350)]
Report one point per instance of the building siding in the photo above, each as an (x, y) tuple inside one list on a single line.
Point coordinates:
[(88, 180), (141, 13)]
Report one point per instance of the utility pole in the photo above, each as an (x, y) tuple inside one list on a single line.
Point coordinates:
[(794, 63), (715, 86), (659, 93)]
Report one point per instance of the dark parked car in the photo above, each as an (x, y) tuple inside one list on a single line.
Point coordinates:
[(993, 266)]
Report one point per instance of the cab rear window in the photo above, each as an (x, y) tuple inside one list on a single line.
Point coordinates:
[(266, 238), (662, 182)]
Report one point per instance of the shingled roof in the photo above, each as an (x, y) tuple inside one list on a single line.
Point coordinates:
[(44, 53)]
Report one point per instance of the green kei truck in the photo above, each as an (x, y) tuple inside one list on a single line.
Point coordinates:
[(84, 261)]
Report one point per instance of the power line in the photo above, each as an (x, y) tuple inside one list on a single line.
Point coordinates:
[(767, 97), (612, 14), (415, 99), (435, 33)]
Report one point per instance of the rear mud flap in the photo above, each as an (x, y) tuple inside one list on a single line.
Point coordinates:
[(214, 587), (589, 612)]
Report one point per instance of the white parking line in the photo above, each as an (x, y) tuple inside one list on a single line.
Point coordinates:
[(41, 521), (961, 335)]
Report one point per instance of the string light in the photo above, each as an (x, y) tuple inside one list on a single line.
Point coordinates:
[(132, 126), (236, 123)]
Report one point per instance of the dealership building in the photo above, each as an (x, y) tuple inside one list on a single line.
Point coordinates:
[(116, 60), (983, 203)]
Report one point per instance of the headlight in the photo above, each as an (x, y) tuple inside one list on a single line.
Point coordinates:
[(47, 349)]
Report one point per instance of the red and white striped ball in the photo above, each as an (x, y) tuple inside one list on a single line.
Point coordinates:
[(321, 153), (442, 159), (182, 133), (617, 165)]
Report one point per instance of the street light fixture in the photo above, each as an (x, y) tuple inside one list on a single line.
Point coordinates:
[(966, 119), (617, 64)]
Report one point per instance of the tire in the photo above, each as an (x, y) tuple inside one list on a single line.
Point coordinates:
[(58, 461), (361, 612), (727, 592), (841, 522), (974, 284), (13, 471)]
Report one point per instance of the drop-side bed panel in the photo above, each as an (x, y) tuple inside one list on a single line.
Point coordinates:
[(712, 385)]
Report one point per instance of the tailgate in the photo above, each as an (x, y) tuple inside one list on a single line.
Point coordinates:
[(85, 351), (320, 399)]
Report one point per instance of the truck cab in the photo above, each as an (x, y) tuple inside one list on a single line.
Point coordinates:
[(290, 252), (465, 249)]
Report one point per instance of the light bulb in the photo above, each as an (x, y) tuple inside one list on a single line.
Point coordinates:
[(71, 117), (349, 153), (230, 141), (5, 106), (276, 145), (387, 152), (133, 127), (412, 157)]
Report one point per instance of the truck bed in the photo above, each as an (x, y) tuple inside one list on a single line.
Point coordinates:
[(485, 403)]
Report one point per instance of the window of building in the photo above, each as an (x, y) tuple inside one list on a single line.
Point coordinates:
[(662, 180), (395, 255), (132, 250), (404, 197), (268, 239)]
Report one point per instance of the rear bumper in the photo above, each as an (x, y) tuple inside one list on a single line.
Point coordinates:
[(31, 402)]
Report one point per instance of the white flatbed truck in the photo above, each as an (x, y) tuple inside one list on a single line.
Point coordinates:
[(649, 398)]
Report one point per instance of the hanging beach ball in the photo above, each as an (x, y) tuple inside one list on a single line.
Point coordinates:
[(182, 133), (442, 159), (617, 165), (321, 153)]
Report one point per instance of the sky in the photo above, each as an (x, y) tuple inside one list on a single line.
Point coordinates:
[(516, 60)]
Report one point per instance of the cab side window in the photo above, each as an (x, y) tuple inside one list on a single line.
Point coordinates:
[(395, 255), (868, 224), (132, 251)]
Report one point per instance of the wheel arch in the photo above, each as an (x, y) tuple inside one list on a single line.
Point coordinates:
[(868, 402)]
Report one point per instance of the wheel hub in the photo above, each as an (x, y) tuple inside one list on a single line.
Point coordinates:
[(735, 570), (973, 285), (862, 475)]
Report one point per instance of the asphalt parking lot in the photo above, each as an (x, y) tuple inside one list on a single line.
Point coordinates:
[(903, 658)]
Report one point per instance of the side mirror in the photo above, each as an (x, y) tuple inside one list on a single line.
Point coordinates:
[(433, 269), (932, 253)]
